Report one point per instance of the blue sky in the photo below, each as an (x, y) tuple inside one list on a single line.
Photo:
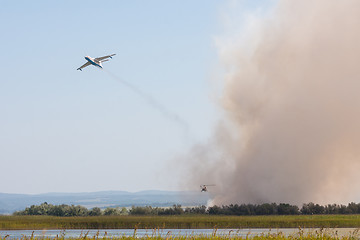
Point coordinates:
[(63, 130)]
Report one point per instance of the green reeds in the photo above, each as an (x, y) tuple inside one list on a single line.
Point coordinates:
[(178, 222)]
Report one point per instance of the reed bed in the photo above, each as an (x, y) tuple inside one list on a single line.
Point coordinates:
[(178, 222)]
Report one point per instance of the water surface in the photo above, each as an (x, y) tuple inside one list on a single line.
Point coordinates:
[(72, 233)]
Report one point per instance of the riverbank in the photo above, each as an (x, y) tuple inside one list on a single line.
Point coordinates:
[(179, 222)]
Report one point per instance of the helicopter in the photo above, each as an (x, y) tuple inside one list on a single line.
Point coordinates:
[(204, 187)]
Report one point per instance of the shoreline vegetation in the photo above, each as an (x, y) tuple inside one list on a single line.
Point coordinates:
[(179, 222), (48, 216), (232, 209)]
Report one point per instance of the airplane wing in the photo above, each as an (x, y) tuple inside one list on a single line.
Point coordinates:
[(83, 66), (105, 57)]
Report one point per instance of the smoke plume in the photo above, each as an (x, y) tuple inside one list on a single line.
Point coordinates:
[(291, 100)]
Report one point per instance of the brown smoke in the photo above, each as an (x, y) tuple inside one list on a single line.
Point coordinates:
[(292, 110)]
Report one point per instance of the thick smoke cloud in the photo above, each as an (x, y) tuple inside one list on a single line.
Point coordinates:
[(291, 131)]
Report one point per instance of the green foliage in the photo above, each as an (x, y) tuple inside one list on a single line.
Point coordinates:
[(232, 209), (68, 211), (95, 212), (115, 211), (143, 210), (55, 210), (148, 210)]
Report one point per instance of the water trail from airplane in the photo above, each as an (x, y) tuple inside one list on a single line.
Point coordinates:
[(154, 104), (291, 102)]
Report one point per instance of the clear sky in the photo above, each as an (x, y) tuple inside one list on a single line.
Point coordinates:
[(63, 130)]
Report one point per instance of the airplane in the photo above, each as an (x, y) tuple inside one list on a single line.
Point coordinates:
[(203, 187), (95, 61)]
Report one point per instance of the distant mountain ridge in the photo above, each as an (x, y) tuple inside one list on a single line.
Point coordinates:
[(10, 202)]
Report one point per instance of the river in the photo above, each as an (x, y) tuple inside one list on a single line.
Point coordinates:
[(71, 233)]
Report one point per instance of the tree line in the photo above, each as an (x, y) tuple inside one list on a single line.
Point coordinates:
[(64, 210), (232, 209)]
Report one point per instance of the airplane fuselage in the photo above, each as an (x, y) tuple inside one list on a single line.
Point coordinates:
[(93, 61)]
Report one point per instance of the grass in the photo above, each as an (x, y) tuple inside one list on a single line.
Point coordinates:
[(179, 222)]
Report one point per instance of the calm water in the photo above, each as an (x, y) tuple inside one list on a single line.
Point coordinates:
[(14, 234)]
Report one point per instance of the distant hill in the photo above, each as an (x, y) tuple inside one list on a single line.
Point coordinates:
[(10, 203)]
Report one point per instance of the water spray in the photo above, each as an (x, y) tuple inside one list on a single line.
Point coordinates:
[(153, 103)]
